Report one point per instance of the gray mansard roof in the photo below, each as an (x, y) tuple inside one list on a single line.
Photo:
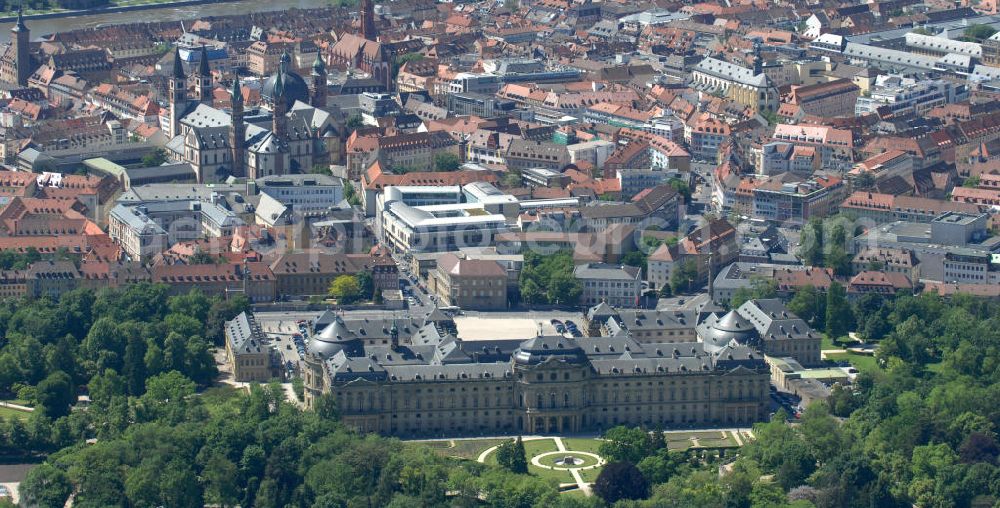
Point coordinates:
[(243, 335), (773, 321), (425, 353), (731, 72)]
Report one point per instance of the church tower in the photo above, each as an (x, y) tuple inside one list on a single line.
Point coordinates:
[(237, 131), (319, 83), (368, 30), (178, 95), (279, 108), (758, 61), (20, 38), (204, 85)]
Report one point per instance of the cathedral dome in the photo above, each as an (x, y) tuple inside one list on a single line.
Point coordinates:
[(293, 86), (336, 337), (730, 327)]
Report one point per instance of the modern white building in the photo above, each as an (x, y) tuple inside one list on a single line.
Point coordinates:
[(906, 95), (435, 219), (304, 193)]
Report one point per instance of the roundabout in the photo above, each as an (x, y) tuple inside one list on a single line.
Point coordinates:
[(566, 460)]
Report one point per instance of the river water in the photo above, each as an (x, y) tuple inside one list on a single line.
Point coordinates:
[(40, 27)]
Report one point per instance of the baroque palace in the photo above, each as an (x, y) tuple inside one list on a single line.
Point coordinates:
[(414, 377)]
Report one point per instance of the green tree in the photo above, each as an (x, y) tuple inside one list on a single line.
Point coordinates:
[(221, 481), (345, 289), (403, 59), (155, 158), (549, 279), (320, 169), (837, 257), (636, 258), (366, 284), (510, 179), (811, 240), (625, 444), (810, 305), (620, 480), (838, 311), (201, 257), (45, 486), (350, 194), (759, 288), (978, 33), (563, 289), (326, 407), (446, 161), (770, 116), (681, 187), (511, 456), (56, 395), (354, 123), (684, 276)]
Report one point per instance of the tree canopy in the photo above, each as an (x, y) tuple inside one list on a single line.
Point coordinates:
[(549, 279)]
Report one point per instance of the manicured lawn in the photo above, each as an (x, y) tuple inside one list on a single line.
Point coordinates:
[(700, 435), (549, 474), (537, 446), (470, 449), (860, 362), (8, 413), (437, 445), (717, 443), (678, 445), (583, 445), (590, 475)]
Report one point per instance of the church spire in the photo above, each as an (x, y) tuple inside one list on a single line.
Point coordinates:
[(279, 86), (368, 30), (237, 130), (20, 26), (178, 67), (203, 68), (237, 91), (319, 82), (178, 94), (204, 78)]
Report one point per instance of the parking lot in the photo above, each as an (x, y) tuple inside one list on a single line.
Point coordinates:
[(288, 336)]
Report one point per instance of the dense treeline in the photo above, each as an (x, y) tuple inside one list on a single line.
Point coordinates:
[(259, 450), (921, 430), (106, 343)]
